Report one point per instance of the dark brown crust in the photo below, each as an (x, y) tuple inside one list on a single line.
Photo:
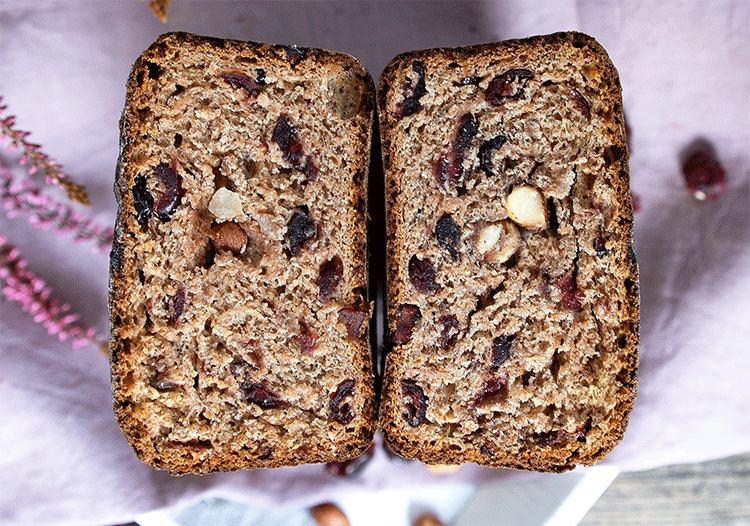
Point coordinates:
[(554, 457), (191, 458)]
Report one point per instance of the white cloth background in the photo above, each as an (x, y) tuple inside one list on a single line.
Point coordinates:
[(685, 69)]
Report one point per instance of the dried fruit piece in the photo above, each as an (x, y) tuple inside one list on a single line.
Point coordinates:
[(422, 275), (493, 386), (229, 236), (579, 102), (704, 175), (465, 133), (572, 297), (526, 207), (260, 394), (329, 277), (352, 467), (600, 246), (177, 304), (557, 437), (286, 137), (328, 514), (354, 321), (300, 229), (500, 350), (449, 329), (497, 242), (143, 201), (225, 205), (306, 338), (487, 150), (415, 402), (170, 198), (341, 411), (295, 54), (413, 90), (508, 86), (448, 234), (241, 81), (407, 317)]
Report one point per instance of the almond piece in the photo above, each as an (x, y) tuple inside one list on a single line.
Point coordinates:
[(229, 236), (225, 205), (328, 514), (497, 242), (525, 206)]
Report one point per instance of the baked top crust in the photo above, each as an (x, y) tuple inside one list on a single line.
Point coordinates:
[(513, 299), (238, 276)]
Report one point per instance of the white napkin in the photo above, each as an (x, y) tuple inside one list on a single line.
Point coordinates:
[(686, 72)]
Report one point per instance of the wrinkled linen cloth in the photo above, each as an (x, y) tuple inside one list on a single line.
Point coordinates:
[(685, 70)]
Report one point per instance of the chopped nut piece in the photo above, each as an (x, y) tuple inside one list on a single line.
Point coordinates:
[(497, 242), (229, 236), (525, 206), (225, 205)]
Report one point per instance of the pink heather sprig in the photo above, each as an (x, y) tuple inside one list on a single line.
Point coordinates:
[(24, 198), (19, 284), (38, 161)]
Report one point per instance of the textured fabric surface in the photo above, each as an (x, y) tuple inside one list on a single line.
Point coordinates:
[(685, 72)]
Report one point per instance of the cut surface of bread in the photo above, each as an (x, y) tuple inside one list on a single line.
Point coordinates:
[(238, 276), (513, 300)]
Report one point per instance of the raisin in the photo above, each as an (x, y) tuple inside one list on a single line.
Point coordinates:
[(415, 402), (306, 338), (448, 234), (465, 133), (500, 350), (354, 320), (329, 277), (571, 295), (286, 137), (422, 275), (341, 411), (407, 317), (295, 54), (260, 77), (600, 246), (177, 140), (579, 102), (261, 395), (412, 92), (508, 86), (449, 329), (170, 198), (487, 150), (440, 171), (143, 201), (241, 81), (299, 230), (352, 467), (177, 304), (491, 387)]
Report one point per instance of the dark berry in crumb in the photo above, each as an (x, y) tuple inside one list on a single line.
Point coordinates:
[(465, 133), (500, 350), (490, 388), (579, 102), (508, 86), (448, 329), (300, 229), (448, 234), (329, 277), (172, 193), (177, 304), (487, 150), (143, 201), (422, 275), (413, 90), (415, 402), (407, 317), (295, 54), (351, 467), (260, 394), (306, 339), (341, 410), (241, 81), (600, 247), (354, 321), (571, 295)]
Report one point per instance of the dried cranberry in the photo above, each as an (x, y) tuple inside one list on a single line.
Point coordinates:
[(143, 201), (579, 102), (422, 275), (300, 229), (407, 317), (239, 80), (286, 137), (704, 175), (415, 402), (295, 54), (490, 388), (508, 86), (448, 234), (260, 394), (440, 171), (329, 277), (170, 198), (341, 411), (487, 150), (353, 320), (500, 350), (177, 304), (449, 329), (600, 246), (571, 296), (413, 90), (306, 338), (351, 467), (465, 133)]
